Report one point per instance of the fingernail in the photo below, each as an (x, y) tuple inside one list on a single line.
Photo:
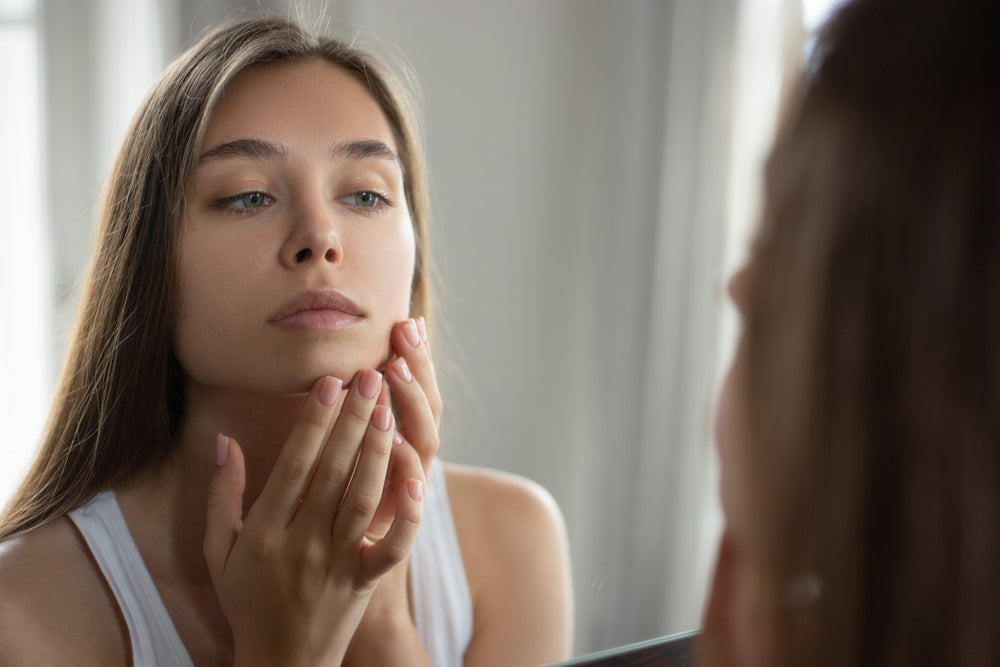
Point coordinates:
[(410, 333), (402, 369), (221, 449), (328, 391), (382, 417), (422, 328), (415, 488), (397, 439), (370, 382)]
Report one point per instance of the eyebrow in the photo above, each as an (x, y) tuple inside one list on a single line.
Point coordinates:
[(259, 149), (366, 148), (254, 149)]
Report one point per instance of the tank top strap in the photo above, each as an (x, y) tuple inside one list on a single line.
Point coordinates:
[(439, 590), (152, 634)]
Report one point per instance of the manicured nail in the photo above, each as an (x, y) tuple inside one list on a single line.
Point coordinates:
[(415, 488), (402, 369), (382, 417), (397, 439), (410, 332), (370, 383), (328, 391), (422, 328), (221, 449)]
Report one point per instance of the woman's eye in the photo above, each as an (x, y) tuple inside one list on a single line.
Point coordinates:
[(245, 202), (365, 199), (249, 200)]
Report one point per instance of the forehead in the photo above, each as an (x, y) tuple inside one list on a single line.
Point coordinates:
[(297, 102)]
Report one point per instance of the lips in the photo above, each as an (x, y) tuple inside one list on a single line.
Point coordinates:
[(318, 309)]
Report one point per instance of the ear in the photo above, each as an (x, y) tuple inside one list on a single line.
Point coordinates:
[(732, 635)]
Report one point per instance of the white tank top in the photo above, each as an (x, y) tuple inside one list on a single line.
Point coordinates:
[(439, 592)]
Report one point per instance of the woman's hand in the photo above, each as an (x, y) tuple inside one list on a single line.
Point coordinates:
[(387, 634), (410, 374), (294, 578)]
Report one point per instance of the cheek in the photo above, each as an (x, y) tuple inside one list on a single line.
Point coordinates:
[(393, 263), (208, 303), (731, 441)]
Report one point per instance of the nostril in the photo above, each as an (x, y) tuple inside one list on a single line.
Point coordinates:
[(329, 255), (302, 255)]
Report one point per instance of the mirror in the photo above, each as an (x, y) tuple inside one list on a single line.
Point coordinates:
[(582, 168)]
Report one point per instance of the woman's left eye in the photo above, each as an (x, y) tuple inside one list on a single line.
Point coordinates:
[(366, 199)]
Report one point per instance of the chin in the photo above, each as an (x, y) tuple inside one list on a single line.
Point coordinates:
[(343, 367)]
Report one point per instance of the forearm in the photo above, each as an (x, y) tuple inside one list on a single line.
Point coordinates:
[(387, 639)]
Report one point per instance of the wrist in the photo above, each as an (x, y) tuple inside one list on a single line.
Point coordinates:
[(387, 637)]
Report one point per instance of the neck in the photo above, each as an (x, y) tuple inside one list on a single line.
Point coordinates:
[(165, 508), (167, 505), (259, 423)]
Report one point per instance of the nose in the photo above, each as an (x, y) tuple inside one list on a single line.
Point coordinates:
[(740, 285), (313, 237)]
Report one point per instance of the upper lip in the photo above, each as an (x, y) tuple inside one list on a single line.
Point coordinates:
[(324, 299)]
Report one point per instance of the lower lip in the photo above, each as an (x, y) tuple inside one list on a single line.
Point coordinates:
[(311, 320)]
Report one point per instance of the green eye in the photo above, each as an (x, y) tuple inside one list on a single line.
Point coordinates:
[(250, 200), (365, 199)]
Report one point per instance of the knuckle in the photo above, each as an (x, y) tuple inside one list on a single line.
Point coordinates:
[(356, 415), (423, 362), (296, 471), (333, 472), (395, 553), (315, 419), (361, 505), (262, 545), (312, 554), (379, 446)]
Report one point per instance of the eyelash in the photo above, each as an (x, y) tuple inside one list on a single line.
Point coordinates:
[(228, 203), (383, 202)]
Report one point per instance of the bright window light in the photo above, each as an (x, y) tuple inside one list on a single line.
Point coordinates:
[(25, 295), (814, 12)]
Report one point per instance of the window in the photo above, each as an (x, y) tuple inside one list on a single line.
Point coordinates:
[(25, 295)]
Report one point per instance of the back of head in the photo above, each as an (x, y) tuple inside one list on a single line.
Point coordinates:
[(873, 340)]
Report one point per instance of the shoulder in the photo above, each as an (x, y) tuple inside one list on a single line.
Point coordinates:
[(513, 542), (503, 498), (55, 607)]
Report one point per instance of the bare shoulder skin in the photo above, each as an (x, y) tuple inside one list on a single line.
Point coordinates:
[(56, 608), (513, 541)]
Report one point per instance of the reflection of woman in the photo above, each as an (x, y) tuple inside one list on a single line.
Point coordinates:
[(860, 428), (208, 491)]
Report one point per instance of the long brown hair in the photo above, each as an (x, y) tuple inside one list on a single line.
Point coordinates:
[(873, 346), (119, 399)]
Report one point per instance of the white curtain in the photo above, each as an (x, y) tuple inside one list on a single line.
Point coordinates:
[(25, 262)]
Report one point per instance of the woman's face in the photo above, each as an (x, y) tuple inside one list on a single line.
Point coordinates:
[(730, 419), (296, 251), (732, 627)]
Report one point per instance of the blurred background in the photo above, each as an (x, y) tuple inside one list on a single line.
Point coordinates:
[(595, 171)]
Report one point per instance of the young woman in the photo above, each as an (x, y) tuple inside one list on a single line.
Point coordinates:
[(243, 441), (859, 431)]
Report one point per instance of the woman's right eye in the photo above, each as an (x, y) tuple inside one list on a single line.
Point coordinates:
[(245, 202)]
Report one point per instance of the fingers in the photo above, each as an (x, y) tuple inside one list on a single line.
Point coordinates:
[(414, 386), (364, 494), (224, 517), (409, 492), (410, 341), (366, 413), (280, 497)]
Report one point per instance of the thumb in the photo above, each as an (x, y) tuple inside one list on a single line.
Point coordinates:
[(224, 514)]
